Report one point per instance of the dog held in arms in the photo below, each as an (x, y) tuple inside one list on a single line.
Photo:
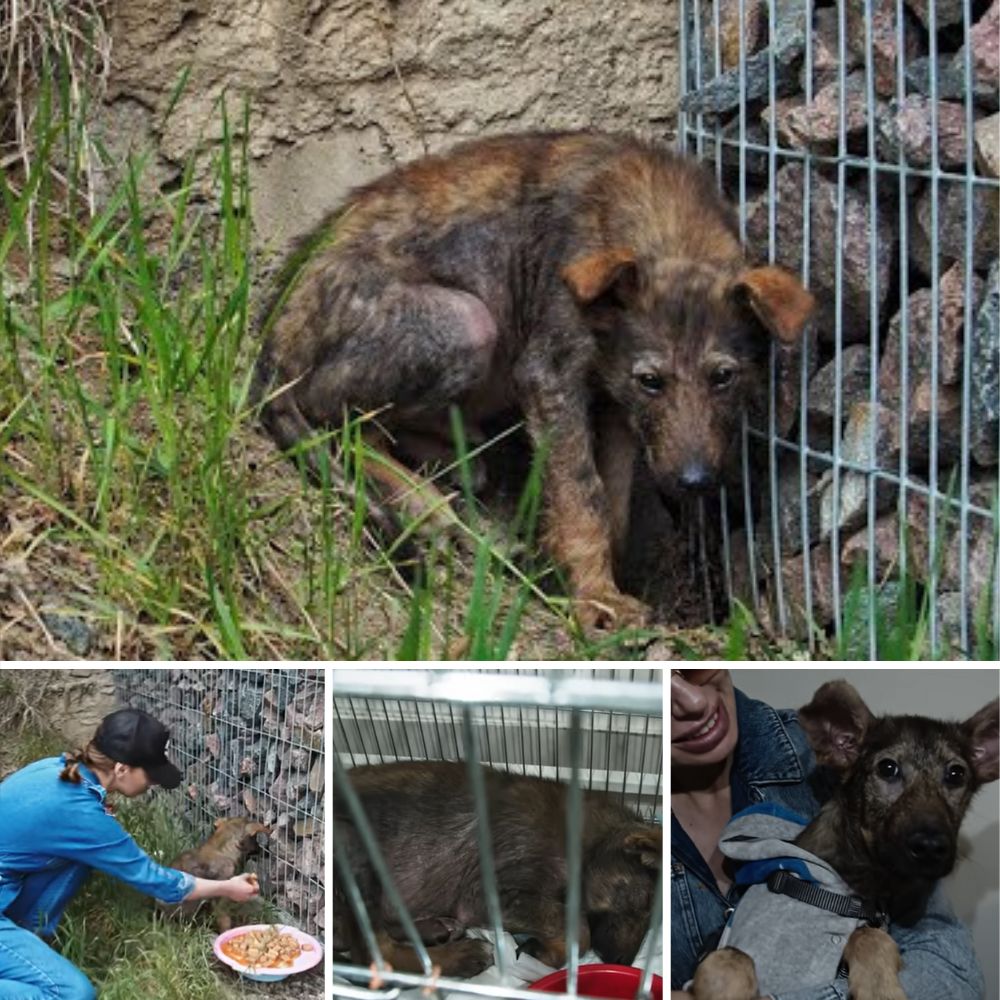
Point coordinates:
[(889, 832), (424, 820), (593, 285)]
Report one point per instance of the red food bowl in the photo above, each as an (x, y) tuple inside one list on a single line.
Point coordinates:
[(616, 982)]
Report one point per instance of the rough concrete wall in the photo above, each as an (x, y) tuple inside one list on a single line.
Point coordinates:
[(340, 89), (72, 701)]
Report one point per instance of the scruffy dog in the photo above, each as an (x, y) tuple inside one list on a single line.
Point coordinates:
[(592, 284), (220, 857), (424, 821), (870, 858)]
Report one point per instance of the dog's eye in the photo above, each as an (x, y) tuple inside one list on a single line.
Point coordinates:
[(722, 378), (954, 775), (651, 382), (887, 768)]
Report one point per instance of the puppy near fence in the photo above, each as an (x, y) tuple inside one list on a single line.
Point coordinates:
[(869, 859), (423, 817), (593, 285), (221, 856)]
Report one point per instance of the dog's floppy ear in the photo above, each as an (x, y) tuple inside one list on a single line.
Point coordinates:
[(982, 730), (592, 275), (778, 299), (648, 844), (219, 822), (835, 721)]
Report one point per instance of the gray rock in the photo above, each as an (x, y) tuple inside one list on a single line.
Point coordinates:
[(74, 632), (854, 252), (908, 127), (946, 12), (723, 94), (805, 613), (951, 82), (854, 387), (921, 336), (755, 162), (984, 43), (987, 139), (826, 51), (985, 376), (951, 227), (317, 780), (789, 509), (879, 16), (752, 30), (945, 557), (849, 510), (816, 125)]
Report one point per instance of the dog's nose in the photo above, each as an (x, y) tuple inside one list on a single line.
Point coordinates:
[(696, 477), (928, 846)]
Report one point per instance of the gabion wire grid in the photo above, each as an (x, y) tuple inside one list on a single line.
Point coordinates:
[(530, 722), (859, 142), (249, 743)]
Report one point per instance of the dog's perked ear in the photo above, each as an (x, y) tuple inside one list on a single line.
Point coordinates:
[(648, 844), (778, 299), (982, 732), (835, 722), (601, 272)]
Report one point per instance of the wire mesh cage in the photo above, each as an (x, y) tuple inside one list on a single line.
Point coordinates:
[(859, 142), (596, 732), (250, 744)]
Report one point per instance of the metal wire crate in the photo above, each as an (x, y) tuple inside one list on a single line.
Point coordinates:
[(599, 729), (856, 140), (249, 743)]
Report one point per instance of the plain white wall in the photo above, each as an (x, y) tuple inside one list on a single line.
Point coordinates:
[(944, 693)]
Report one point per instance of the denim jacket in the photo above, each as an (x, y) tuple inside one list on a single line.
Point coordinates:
[(48, 824), (774, 763)]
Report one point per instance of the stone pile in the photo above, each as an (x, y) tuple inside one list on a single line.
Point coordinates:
[(896, 413), (250, 743)]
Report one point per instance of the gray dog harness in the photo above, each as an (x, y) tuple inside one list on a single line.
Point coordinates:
[(796, 914)]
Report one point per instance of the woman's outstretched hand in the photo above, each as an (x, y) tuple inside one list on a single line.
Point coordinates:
[(241, 888)]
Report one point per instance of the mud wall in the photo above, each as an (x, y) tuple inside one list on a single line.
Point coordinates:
[(71, 702), (340, 89)]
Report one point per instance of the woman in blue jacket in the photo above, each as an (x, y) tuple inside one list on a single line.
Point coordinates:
[(728, 752), (56, 825)]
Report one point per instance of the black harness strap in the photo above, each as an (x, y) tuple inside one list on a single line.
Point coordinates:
[(787, 884)]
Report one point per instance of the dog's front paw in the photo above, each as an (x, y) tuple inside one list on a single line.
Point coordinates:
[(550, 952), (610, 611), (726, 974), (873, 965), (466, 958)]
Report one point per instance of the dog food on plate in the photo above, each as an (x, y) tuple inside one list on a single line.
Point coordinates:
[(267, 949)]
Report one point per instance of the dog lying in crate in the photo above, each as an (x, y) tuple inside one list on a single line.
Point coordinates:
[(820, 898), (220, 857), (424, 820)]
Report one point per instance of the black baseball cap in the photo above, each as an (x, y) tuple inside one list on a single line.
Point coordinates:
[(131, 736)]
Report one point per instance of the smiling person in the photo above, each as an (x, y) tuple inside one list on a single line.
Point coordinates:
[(57, 825), (728, 752)]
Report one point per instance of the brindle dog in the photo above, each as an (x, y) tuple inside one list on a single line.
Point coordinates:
[(890, 830), (424, 820), (220, 857), (593, 285)]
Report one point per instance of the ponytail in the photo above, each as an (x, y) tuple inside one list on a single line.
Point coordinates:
[(88, 755)]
